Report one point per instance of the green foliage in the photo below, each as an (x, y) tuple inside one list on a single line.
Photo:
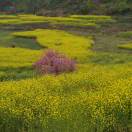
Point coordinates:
[(94, 18), (126, 46), (90, 21), (127, 34), (73, 7), (77, 6), (8, 40)]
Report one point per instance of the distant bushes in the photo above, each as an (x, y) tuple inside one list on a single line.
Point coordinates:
[(64, 7), (54, 63)]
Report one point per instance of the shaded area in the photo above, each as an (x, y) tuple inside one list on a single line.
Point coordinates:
[(109, 43), (8, 40), (27, 43), (10, 73), (105, 58)]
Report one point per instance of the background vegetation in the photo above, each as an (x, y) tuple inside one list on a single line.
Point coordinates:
[(63, 7)]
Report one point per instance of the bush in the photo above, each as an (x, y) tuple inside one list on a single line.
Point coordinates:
[(54, 63)]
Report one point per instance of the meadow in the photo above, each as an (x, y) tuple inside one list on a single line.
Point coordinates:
[(94, 98)]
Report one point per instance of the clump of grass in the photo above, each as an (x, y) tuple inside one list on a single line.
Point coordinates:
[(126, 46), (54, 63), (94, 18), (127, 34)]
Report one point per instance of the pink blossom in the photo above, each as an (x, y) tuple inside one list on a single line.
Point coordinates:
[(54, 63)]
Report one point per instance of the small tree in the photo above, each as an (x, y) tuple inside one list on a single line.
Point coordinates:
[(54, 63)]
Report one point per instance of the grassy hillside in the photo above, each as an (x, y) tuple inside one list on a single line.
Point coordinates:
[(96, 97)]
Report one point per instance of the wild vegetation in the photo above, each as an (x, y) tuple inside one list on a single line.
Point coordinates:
[(61, 41), (66, 73), (63, 7), (55, 63), (89, 21)]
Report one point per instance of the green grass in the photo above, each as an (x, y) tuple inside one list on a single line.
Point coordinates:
[(108, 42), (96, 97), (8, 40), (61, 41), (16, 63), (110, 58), (16, 56), (94, 18), (126, 46), (67, 21), (127, 34)]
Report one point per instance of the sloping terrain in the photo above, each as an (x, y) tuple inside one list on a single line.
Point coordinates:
[(96, 97)]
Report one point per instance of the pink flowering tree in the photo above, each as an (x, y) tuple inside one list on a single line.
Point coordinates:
[(53, 62)]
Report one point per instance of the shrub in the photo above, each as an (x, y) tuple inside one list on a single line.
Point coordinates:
[(127, 34), (54, 62)]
